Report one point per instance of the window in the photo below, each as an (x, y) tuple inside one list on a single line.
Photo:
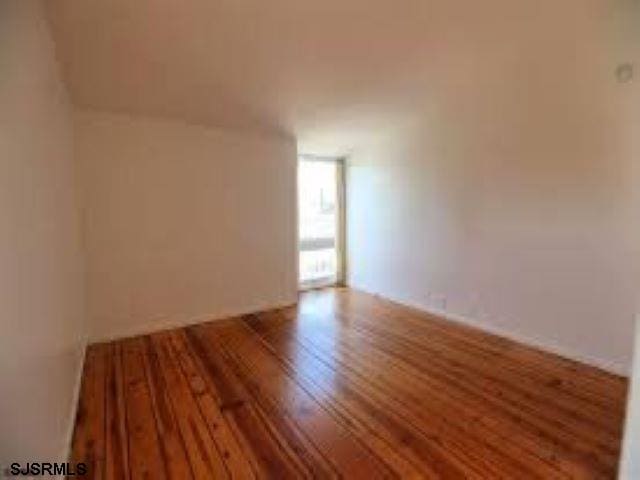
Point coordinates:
[(320, 221)]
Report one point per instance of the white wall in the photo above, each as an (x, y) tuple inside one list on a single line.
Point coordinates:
[(41, 269), (183, 222), (510, 201)]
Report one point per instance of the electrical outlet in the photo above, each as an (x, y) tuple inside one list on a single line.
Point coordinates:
[(427, 299), (439, 301)]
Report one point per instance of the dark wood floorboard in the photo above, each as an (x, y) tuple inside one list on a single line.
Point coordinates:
[(344, 385)]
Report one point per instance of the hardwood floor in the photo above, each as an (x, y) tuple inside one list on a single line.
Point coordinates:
[(346, 384)]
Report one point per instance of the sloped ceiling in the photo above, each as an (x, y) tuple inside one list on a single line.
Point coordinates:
[(332, 73)]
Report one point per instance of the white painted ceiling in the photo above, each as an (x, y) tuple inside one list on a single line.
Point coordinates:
[(332, 73)]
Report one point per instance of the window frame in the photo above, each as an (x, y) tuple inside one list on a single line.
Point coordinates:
[(340, 240)]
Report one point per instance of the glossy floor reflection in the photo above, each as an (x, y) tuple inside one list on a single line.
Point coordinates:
[(346, 384)]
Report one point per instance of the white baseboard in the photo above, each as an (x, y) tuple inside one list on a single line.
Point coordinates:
[(610, 366), (147, 328), (629, 460), (157, 325), (66, 454)]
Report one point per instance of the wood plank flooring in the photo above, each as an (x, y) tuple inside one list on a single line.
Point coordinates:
[(346, 384)]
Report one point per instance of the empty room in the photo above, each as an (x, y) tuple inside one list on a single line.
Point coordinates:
[(332, 239)]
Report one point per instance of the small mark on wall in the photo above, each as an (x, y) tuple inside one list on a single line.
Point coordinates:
[(624, 72)]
